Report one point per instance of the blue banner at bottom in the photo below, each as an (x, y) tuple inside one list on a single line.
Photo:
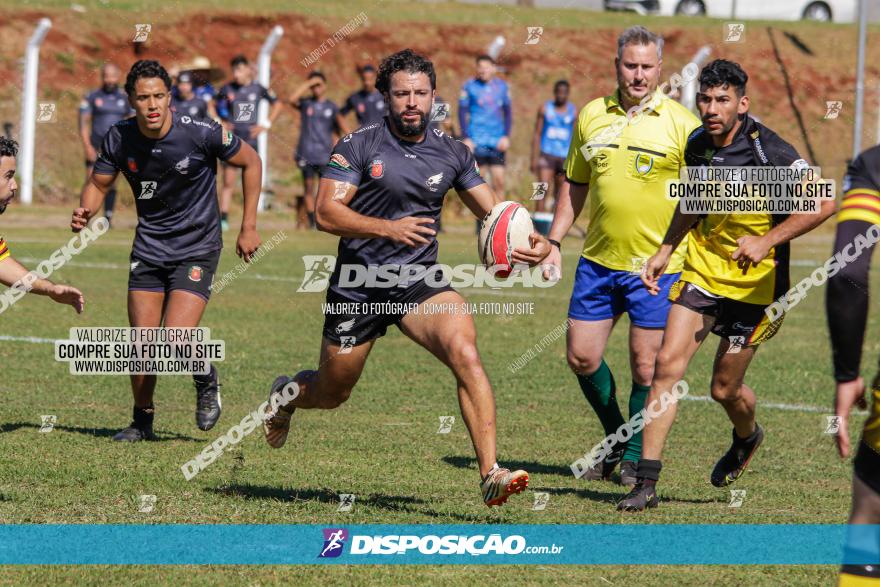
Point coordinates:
[(439, 544)]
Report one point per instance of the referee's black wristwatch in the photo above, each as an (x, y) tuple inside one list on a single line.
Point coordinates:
[(554, 243)]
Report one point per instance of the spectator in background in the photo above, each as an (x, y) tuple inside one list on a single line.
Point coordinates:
[(486, 118), (98, 111), (550, 141), (240, 100), (367, 103), (320, 127)]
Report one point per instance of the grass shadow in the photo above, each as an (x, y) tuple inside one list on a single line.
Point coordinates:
[(530, 466), (97, 432), (396, 503)]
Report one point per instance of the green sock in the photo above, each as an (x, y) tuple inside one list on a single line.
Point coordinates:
[(637, 398), (599, 390)]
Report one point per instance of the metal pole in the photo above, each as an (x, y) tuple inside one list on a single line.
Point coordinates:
[(877, 94), (29, 109), (264, 68), (688, 97), (860, 79)]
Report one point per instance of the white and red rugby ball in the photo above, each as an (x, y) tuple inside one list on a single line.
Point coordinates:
[(505, 228)]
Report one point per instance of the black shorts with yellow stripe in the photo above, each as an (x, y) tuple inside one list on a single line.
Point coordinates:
[(741, 323)]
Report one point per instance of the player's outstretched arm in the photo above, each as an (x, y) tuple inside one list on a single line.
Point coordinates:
[(753, 249), (91, 198), (251, 183), (14, 274)]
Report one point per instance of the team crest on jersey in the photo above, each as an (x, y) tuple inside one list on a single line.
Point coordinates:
[(339, 162), (132, 165), (644, 163), (361, 108), (377, 168), (99, 102), (227, 138), (433, 182), (195, 273)]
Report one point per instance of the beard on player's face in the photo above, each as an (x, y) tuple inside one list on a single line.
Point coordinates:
[(409, 129)]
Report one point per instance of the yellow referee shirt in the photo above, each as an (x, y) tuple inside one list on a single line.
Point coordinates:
[(629, 212)]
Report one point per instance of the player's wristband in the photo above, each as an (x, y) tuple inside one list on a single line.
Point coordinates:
[(267, 125), (554, 243)]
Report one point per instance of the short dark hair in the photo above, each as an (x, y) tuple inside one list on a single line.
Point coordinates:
[(408, 61), (146, 68), (724, 73), (8, 147), (560, 83), (316, 73), (239, 60), (485, 57)]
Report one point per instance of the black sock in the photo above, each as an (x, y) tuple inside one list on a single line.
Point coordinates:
[(311, 219), (143, 417), (748, 440), (224, 216), (109, 203), (649, 471), (204, 378)]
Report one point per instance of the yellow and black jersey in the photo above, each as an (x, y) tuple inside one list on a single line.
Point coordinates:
[(713, 239), (846, 301), (4, 249), (861, 188)]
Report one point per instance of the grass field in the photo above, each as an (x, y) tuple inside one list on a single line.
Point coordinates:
[(382, 445)]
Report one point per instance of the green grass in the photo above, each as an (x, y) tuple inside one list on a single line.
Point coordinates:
[(382, 445)]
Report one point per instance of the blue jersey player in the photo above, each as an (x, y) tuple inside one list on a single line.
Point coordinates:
[(550, 141), (485, 117)]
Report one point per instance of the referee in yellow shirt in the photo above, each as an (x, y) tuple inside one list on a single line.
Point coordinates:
[(624, 165)]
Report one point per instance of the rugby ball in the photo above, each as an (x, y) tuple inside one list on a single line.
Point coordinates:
[(505, 228)]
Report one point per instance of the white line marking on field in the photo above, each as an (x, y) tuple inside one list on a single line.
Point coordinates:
[(32, 339), (778, 406), (88, 265), (40, 241), (804, 263), (296, 279)]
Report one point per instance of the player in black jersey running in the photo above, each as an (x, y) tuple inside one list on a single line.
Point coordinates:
[(382, 192), (170, 162)]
